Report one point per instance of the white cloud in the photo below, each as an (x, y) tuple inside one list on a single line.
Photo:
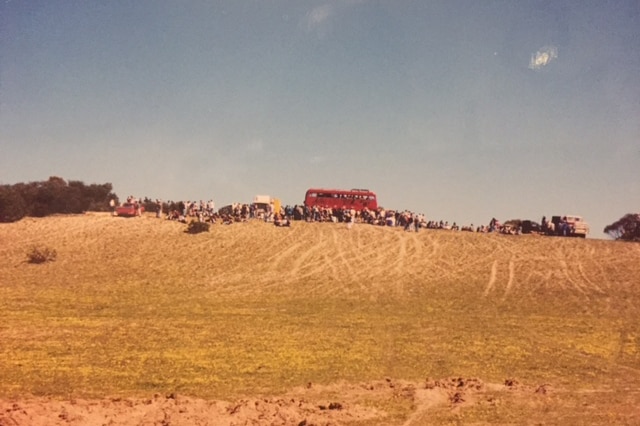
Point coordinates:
[(318, 15), (543, 57), (317, 20)]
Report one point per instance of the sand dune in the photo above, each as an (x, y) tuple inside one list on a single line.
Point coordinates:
[(318, 261)]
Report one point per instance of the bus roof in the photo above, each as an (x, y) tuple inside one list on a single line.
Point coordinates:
[(339, 190)]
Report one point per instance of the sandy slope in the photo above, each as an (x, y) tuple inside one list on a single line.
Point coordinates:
[(365, 263)]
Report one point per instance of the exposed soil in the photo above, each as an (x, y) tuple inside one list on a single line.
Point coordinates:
[(304, 406)]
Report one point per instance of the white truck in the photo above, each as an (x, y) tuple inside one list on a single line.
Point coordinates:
[(265, 206), (569, 226)]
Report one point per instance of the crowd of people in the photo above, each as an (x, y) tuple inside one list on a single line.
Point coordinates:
[(185, 211), (201, 211), (204, 211)]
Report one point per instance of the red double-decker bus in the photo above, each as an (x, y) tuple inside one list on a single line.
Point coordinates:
[(356, 199)]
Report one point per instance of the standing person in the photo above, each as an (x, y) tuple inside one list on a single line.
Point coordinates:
[(159, 211), (349, 219), (112, 204), (408, 218), (544, 225), (416, 222), (564, 226)]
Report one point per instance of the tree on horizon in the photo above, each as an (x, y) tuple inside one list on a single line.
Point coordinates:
[(627, 228)]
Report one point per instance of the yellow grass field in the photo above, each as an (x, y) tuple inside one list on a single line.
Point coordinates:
[(137, 322)]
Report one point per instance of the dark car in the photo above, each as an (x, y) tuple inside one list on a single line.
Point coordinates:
[(531, 227)]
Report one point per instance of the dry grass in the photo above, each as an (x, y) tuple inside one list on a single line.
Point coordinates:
[(137, 306)]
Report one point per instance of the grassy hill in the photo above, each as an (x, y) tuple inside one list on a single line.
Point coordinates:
[(136, 306)]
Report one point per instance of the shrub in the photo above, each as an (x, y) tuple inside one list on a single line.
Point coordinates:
[(41, 255), (197, 227)]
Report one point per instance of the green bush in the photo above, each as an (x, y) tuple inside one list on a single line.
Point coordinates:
[(197, 227), (41, 255)]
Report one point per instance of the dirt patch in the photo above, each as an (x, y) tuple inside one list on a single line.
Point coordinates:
[(336, 404)]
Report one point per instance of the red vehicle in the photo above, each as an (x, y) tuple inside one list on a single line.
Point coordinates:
[(356, 199), (129, 210)]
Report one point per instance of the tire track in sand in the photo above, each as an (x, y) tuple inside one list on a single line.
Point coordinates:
[(275, 260), (304, 265), (401, 255), (492, 278), (586, 279), (567, 274), (411, 254), (297, 260), (512, 273), (340, 254)]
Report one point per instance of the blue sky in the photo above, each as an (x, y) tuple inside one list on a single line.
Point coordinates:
[(461, 110)]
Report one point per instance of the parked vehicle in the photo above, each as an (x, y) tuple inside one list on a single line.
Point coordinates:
[(264, 206), (129, 210), (568, 226), (356, 199), (531, 227)]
